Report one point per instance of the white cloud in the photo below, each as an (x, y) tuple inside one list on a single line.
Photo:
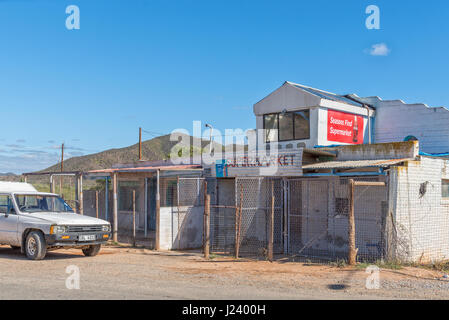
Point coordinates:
[(379, 49)]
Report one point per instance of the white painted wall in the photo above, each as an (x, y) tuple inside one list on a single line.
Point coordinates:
[(291, 98), (422, 223), (395, 120), (189, 225)]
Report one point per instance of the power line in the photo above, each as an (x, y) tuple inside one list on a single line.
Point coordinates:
[(155, 134)]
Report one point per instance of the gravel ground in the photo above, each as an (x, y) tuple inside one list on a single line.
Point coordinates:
[(124, 273)]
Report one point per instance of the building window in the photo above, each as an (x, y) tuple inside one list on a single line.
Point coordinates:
[(302, 125), (445, 189), (287, 126), (5, 204), (270, 124)]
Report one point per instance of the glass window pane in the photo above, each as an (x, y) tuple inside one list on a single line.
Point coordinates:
[(286, 126), (302, 125), (445, 188), (270, 126), (5, 204)]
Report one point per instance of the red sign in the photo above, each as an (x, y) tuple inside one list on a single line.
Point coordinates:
[(344, 127)]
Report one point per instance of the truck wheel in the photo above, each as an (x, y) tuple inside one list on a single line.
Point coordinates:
[(35, 246), (92, 250)]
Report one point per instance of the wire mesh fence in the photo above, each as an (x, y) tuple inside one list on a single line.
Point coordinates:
[(310, 218), (318, 219)]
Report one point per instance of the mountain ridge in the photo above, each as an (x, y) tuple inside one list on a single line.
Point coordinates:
[(158, 148)]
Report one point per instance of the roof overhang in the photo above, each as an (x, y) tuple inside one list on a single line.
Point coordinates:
[(292, 96), (192, 167), (351, 164)]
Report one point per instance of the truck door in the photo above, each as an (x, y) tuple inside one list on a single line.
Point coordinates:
[(9, 221)]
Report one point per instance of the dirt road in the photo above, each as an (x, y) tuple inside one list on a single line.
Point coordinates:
[(123, 273)]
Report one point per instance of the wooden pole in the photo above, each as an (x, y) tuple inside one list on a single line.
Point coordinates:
[(271, 225), (158, 212), (351, 227), (207, 226), (114, 208), (134, 218), (177, 205), (140, 143), (96, 203), (236, 231)]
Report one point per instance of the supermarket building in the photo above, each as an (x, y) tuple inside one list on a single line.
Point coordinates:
[(318, 141)]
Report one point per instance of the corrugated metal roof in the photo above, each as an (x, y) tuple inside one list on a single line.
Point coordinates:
[(354, 164), (327, 95), (149, 169)]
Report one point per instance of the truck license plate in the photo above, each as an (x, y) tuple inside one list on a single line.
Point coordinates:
[(86, 237)]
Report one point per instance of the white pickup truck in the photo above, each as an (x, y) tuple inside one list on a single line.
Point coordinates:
[(37, 222)]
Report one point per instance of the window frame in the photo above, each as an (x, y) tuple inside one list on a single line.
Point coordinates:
[(12, 201), (294, 131), (264, 128), (293, 113)]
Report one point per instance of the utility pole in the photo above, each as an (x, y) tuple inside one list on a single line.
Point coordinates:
[(62, 157), (140, 144)]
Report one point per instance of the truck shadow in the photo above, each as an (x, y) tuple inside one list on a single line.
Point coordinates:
[(8, 253)]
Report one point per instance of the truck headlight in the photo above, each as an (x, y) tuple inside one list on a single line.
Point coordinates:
[(106, 228), (58, 229)]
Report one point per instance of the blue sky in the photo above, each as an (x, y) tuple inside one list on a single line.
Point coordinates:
[(162, 64)]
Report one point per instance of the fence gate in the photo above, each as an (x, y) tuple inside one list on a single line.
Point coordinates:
[(371, 224), (253, 195), (188, 210), (318, 217), (309, 222)]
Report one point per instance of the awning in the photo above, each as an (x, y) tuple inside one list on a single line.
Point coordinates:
[(354, 164), (149, 169)]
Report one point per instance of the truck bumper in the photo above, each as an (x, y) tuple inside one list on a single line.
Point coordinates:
[(72, 240)]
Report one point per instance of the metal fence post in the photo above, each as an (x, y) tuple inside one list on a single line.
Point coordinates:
[(115, 208), (96, 203), (81, 194), (158, 212), (178, 209), (134, 218), (106, 198), (271, 225), (351, 226)]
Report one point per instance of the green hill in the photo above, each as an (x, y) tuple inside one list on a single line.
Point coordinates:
[(158, 148)]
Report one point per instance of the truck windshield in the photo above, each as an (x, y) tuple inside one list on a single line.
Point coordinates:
[(40, 203)]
